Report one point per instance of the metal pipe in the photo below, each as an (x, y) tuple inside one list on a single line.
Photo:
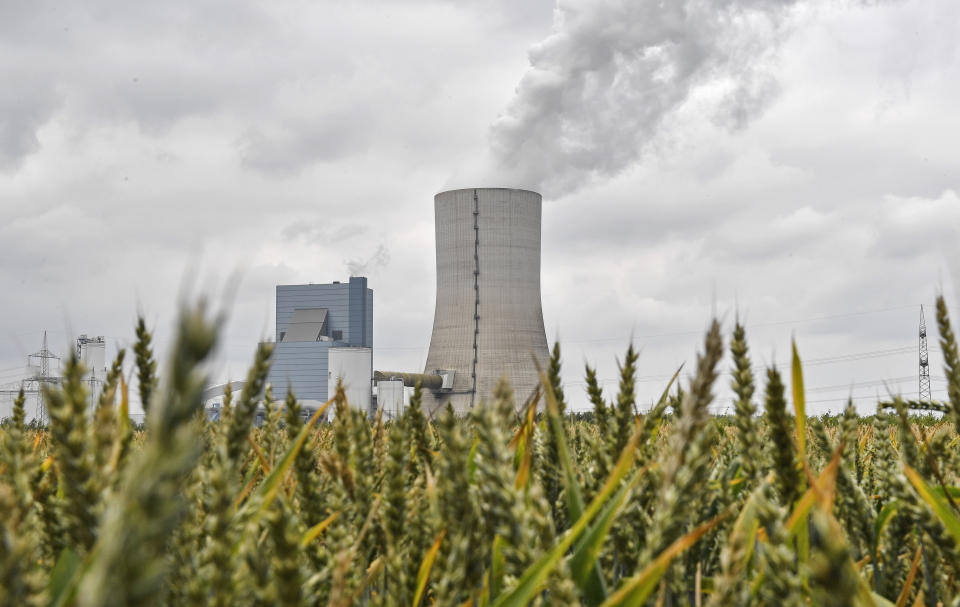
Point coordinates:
[(427, 380)]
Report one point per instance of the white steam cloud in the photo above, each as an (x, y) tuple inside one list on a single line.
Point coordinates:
[(600, 86)]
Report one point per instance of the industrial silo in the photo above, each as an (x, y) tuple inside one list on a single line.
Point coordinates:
[(488, 321)]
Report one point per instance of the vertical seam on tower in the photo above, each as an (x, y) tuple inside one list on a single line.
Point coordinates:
[(476, 293)]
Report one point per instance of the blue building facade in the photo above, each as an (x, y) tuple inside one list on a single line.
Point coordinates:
[(311, 319)]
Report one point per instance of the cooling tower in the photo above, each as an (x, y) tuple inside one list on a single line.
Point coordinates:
[(488, 321)]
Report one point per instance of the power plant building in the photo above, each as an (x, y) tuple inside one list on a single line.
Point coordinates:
[(324, 332), (488, 321), (43, 371), (92, 354)]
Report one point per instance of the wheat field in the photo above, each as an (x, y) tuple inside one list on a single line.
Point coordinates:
[(518, 503)]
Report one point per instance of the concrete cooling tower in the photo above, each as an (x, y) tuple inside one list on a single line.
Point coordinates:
[(488, 321)]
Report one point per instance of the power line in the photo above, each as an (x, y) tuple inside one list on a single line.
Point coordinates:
[(729, 402), (753, 324), (832, 316), (863, 384), (860, 355), (855, 398), (760, 369), (655, 378)]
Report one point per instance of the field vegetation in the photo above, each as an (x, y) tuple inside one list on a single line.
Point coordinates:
[(515, 504)]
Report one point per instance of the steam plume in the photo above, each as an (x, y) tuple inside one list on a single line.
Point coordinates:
[(599, 87)]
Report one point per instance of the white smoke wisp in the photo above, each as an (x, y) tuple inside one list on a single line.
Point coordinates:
[(361, 267), (601, 85)]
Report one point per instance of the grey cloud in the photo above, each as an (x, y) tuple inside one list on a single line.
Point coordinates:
[(152, 65), (291, 147), (23, 110), (598, 228), (322, 232), (528, 14), (747, 100), (891, 170), (297, 87), (767, 239), (908, 228)]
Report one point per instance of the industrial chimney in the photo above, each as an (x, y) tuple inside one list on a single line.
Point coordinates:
[(488, 321)]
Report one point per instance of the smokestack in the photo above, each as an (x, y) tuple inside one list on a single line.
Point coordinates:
[(488, 321)]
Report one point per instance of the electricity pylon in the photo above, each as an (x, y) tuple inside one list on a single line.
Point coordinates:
[(924, 362)]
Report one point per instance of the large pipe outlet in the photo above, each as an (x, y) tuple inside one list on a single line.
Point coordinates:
[(426, 380)]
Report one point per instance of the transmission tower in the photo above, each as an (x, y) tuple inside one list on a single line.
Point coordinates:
[(38, 364), (924, 362)]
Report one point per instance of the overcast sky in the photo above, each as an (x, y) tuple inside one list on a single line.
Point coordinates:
[(798, 161)]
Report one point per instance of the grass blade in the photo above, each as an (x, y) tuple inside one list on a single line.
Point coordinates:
[(939, 505), (571, 487), (523, 441), (572, 492), (584, 558), (259, 453), (908, 585), (820, 492), (583, 561), (536, 574), (800, 409), (268, 490), (886, 514), (799, 402), (497, 565), (423, 574), (317, 529), (64, 578), (533, 578), (636, 590)]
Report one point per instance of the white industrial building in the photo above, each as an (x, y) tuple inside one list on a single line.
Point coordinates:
[(92, 352)]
